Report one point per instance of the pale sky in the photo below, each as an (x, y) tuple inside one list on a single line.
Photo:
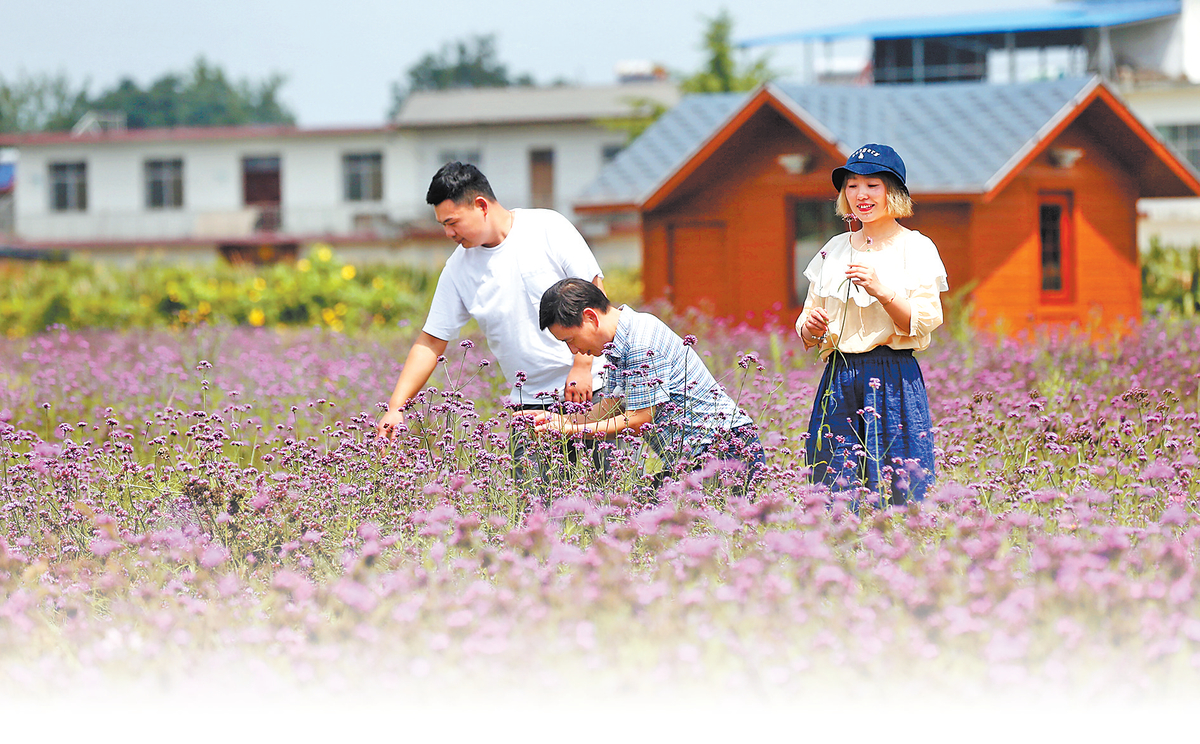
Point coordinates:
[(341, 57)]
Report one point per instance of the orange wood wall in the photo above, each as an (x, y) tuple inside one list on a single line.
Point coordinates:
[(1006, 253), (743, 187), (948, 225)]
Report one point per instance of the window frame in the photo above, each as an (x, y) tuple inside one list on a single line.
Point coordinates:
[(76, 196), (168, 172), (1067, 267), (795, 283), (364, 170), (1185, 138)]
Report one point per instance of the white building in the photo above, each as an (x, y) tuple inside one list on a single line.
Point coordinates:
[(258, 191)]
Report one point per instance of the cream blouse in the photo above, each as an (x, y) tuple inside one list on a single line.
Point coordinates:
[(909, 264)]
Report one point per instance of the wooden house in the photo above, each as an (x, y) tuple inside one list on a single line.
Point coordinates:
[(1029, 191)]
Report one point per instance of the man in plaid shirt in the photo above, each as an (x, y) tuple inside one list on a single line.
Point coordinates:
[(655, 384)]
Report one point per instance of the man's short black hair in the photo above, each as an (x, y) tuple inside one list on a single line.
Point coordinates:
[(460, 183), (564, 302)]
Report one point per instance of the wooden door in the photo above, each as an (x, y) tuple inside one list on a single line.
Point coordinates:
[(541, 179), (698, 271), (262, 189)]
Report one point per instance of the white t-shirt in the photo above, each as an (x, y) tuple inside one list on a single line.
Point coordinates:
[(501, 288)]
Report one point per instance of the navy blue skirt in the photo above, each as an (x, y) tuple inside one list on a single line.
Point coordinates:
[(871, 427)]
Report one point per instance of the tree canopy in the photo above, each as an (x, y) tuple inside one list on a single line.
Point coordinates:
[(466, 63), (204, 96), (721, 72), (40, 102)]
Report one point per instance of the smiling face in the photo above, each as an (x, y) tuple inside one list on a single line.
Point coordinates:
[(465, 224), (585, 338), (867, 197)]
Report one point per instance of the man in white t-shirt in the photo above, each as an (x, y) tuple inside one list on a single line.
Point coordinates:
[(505, 260)]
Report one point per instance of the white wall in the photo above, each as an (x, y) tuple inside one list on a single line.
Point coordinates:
[(311, 187), (313, 203), (1154, 45), (313, 198), (1173, 104), (504, 150), (1172, 221), (405, 181), (1190, 39)]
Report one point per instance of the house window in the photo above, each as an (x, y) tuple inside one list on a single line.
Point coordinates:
[(460, 156), (814, 222), (1057, 248), (363, 176), (1185, 138), (541, 179), (164, 184), (68, 187)]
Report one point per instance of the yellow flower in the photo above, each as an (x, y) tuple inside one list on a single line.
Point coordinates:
[(377, 282), (348, 272), (259, 283), (340, 309), (257, 317), (328, 315), (324, 253), (304, 264), (204, 308)]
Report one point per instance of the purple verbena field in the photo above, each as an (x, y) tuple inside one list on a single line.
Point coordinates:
[(215, 499)]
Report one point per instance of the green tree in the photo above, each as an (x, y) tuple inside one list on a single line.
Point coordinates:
[(34, 103), (204, 97), (721, 72), (467, 63)]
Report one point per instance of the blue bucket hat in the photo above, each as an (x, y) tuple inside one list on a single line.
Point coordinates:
[(870, 159)]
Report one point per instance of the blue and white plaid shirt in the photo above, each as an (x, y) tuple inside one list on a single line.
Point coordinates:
[(651, 366)]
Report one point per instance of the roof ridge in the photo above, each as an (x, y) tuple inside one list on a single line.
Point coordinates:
[(990, 129)]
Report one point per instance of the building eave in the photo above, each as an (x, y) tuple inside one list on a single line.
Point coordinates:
[(765, 95), (183, 134)]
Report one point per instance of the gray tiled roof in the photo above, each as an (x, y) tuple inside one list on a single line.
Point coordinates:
[(661, 149), (516, 104), (954, 137)]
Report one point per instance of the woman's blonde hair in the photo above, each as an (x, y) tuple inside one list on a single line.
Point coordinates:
[(899, 203)]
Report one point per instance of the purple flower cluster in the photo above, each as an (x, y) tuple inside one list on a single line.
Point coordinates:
[(220, 493)]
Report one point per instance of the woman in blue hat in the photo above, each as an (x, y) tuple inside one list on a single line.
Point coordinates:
[(873, 299)]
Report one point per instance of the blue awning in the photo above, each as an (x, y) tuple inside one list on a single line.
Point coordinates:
[(1060, 16), (8, 172)]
